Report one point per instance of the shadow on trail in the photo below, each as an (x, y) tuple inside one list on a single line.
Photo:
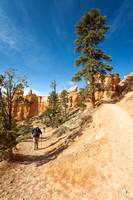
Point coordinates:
[(106, 102), (41, 159), (52, 143), (50, 155), (30, 139)]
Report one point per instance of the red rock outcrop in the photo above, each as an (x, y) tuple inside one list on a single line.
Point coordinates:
[(126, 85), (72, 94), (32, 104), (111, 83), (31, 109), (115, 87), (42, 104), (16, 107), (36, 105)]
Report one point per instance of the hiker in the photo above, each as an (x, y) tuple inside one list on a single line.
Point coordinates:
[(44, 129), (36, 133)]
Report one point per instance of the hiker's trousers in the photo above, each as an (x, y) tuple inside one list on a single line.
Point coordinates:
[(35, 142)]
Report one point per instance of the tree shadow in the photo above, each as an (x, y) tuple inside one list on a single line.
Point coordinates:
[(111, 101), (40, 139), (52, 144), (50, 155), (41, 159), (56, 141)]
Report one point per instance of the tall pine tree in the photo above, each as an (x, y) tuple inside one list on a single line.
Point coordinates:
[(64, 102), (7, 136), (10, 82), (90, 31), (52, 115), (53, 97)]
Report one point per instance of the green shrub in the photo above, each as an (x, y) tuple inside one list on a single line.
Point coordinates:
[(24, 132), (86, 119), (53, 117), (24, 129), (60, 131)]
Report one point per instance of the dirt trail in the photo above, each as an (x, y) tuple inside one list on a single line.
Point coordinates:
[(97, 166), (119, 124)]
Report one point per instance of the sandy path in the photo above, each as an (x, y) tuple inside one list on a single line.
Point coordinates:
[(119, 124)]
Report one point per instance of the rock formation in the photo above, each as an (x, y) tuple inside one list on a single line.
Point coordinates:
[(114, 87), (111, 83), (42, 104), (16, 107), (36, 105), (72, 94), (126, 85), (31, 104), (32, 108)]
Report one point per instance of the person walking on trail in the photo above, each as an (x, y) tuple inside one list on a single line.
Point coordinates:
[(36, 133)]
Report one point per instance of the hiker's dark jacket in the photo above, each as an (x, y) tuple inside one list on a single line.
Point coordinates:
[(36, 132)]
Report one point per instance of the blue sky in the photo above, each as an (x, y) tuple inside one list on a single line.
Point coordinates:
[(36, 37)]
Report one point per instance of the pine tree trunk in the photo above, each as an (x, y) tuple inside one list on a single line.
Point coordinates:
[(93, 89), (10, 110), (93, 100), (0, 100), (10, 155)]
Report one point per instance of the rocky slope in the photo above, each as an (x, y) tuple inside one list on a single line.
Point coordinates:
[(89, 163)]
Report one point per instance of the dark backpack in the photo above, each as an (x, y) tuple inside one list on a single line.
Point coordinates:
[(36, 132)]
